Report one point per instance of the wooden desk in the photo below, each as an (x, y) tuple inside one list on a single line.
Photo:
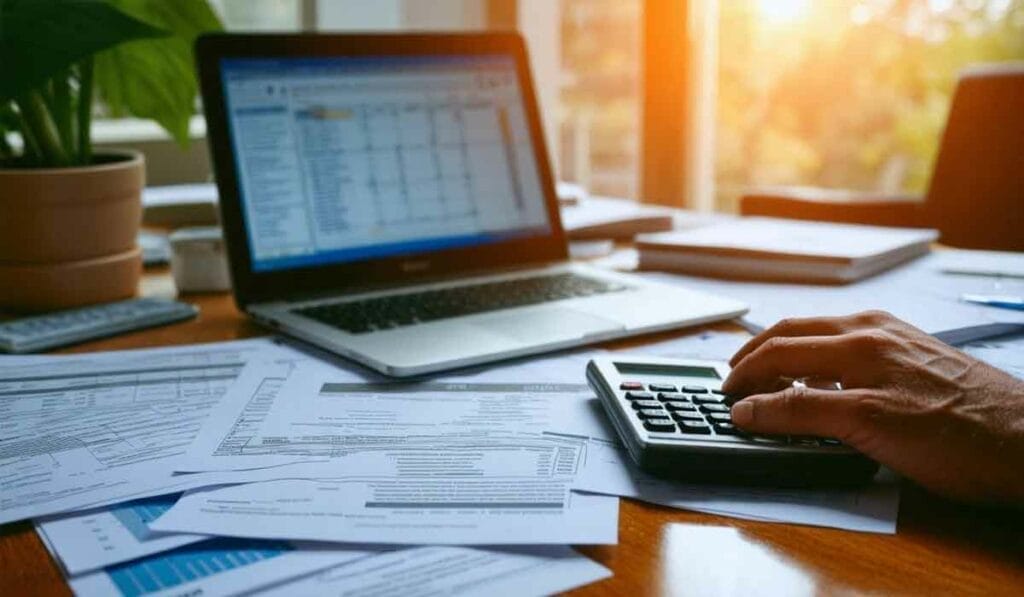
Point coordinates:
[(940, 548)]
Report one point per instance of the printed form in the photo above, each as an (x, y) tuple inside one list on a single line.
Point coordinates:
[(79, 431), (436, 462), (454, 571), (220, 567)]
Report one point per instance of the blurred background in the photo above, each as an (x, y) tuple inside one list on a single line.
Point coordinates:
[(833, 93)]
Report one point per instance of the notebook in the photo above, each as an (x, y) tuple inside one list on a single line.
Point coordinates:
[(784, 250), (605, 217)]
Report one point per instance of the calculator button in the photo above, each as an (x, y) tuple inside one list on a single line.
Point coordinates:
[(716, 418), (675, 405), (707, 400), (631, 385), (650, 413), (684, 416), (769, 439), (694, 427), (672, 396), (694, 389), (663, 425), (714, 408), (661, 387), (831, 441), (808, 442), (644, 404), (719, 392), (726, 429), (639, 396)]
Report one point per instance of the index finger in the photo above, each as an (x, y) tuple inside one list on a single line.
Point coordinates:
[(822, 357), (794, 327)]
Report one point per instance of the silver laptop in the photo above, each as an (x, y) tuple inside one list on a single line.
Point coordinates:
[(389, 198)]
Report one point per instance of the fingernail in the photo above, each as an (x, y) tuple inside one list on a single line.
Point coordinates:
[(743, 412)]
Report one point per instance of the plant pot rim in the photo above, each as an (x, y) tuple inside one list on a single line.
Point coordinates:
[(122, 158)]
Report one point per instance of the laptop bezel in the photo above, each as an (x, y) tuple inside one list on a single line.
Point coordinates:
[(251, 287)]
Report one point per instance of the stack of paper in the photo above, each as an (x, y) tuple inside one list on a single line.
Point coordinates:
[(250, 466), (604, 217)]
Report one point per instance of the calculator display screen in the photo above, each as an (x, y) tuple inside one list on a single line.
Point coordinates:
[(660, 369)]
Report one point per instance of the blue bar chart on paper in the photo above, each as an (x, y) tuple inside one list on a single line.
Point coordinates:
[(189, 563)]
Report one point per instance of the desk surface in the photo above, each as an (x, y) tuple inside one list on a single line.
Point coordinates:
[(940, 548)]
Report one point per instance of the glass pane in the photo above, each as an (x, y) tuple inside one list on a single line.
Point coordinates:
[(260, 15), (599, 116), (846, 94)]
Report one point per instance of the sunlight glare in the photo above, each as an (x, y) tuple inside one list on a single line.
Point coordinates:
[(783, 11)]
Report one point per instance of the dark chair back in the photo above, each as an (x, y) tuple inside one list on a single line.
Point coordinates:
[(976, 196)]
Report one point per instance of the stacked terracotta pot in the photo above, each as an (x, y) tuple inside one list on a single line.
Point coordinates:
[(68, 235)]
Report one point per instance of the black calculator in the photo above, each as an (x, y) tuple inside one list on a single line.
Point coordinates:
[(675, 422)]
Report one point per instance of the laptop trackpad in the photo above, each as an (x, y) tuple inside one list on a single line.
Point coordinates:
[(546, 324)]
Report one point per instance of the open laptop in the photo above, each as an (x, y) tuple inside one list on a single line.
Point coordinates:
[(389, 198)]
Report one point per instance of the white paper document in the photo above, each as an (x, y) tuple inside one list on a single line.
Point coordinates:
[(873, 508), (705, 345), (442, 511), (981, 263), (80, 431), (287, 412), (213, 568), (564, 367), (454, 571), (916, 292), (434, 462), (85, 541)]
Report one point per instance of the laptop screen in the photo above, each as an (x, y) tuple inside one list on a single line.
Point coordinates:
[(355, 158)]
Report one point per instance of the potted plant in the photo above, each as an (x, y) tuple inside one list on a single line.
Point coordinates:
[(69, 216)]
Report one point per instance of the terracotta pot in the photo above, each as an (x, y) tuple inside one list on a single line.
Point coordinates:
[(63, 284), (81, 223)]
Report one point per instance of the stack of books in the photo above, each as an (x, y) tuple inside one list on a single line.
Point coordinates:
[(784, 250)]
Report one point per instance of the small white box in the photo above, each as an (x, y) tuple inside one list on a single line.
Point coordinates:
[(199, 262)]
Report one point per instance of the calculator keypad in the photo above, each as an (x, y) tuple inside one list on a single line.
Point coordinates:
[(693, 410)]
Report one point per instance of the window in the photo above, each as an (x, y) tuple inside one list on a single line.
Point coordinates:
[(846, 94), (599, 116), (260, 15), (841, 93)]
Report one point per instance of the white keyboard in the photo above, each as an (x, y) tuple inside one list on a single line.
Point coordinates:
[(34, 334)]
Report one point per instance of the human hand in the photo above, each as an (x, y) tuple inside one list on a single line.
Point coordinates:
[(916, 405)]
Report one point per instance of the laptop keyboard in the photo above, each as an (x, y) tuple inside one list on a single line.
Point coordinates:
[(388, 312)]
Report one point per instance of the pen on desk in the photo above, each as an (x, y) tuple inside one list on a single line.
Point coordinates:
[(995, 300)]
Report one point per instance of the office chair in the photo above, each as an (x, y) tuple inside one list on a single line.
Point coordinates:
[(976, 195)]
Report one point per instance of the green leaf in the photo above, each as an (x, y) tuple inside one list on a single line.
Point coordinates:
[(149, 81), (39, 38), (186, 19), (155, 78)]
